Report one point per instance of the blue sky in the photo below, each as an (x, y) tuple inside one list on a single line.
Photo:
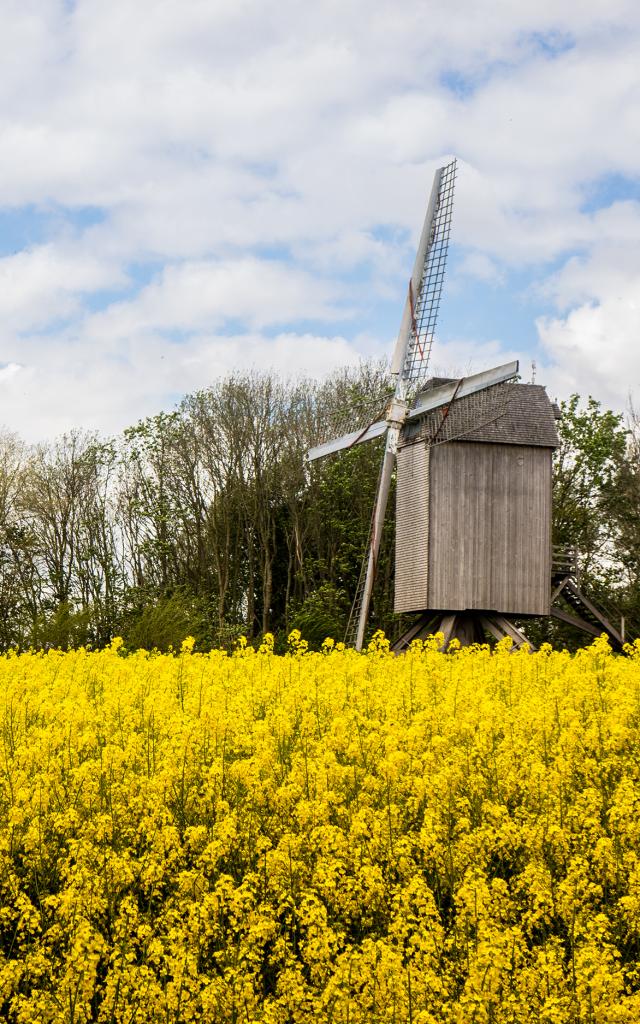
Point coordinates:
[(201, 186)]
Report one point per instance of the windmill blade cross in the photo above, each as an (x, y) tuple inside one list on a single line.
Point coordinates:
[(347, 441), (411, 356), (409, 365), (407, 324), (461, 389)]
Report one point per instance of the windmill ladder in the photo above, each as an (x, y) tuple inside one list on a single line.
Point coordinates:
[(587, 614)]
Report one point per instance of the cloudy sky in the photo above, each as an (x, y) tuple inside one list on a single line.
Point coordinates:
[(193, 186)]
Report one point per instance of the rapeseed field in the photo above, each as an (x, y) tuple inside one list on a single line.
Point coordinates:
[(320, 837)]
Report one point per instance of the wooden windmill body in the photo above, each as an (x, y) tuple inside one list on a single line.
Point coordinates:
[(473, 464), (473, 509)]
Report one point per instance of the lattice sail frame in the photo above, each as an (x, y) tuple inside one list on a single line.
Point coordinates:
[(425, 306), (355, 418)]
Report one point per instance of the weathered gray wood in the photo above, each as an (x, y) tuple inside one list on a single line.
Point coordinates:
[(490, 528), (467, 627), (575, 620), (504, 413), (572, 590), (488, 541), (412, 529), (499, 627), (558, 590), (446, 626), (424, 626), (468, 630)]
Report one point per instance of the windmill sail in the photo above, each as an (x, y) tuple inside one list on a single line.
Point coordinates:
[(417, 331), (410, 366), (410, 362)]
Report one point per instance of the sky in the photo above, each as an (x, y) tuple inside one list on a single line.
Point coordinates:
[(192, 187)]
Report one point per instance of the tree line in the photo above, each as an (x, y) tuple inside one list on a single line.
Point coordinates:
[(206, 520)]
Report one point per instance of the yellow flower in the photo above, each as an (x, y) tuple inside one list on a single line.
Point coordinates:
[(320, 837), (187, 645)]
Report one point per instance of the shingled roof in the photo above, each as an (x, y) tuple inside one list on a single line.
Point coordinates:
[(506, 413)]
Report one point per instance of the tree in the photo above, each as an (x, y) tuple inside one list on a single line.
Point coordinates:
[(19, 583), (208, 518), (624, 511), (588, 463)]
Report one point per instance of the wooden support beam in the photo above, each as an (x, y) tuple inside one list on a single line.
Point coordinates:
[(558, 590), (446, 626), (593, 610), (499, 627), (574, 620), (418, 631), (468, 627)]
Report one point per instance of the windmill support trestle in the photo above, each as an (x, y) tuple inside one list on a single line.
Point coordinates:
[(470, 627)]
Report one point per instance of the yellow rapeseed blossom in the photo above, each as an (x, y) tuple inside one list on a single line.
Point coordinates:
[(298, 839)]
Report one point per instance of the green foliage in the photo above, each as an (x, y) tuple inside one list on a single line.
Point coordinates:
[(206, 521), (63, 628), (624, 510), (592, 450), (324, 613), (166, 621), (227, 634), (595, 492)]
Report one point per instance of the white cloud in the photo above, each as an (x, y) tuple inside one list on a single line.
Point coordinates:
[(217, 137), (8, 371), (595, 349), (44, 283), (609, 264), (593, 345), (462, 357), (481, 266), (109, 388), (203, 295)]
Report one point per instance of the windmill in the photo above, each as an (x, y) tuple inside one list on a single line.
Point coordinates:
[(409, 366), (473, 462)]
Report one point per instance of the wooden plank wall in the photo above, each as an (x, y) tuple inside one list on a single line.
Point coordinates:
[(412, 528), (490, 528)]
